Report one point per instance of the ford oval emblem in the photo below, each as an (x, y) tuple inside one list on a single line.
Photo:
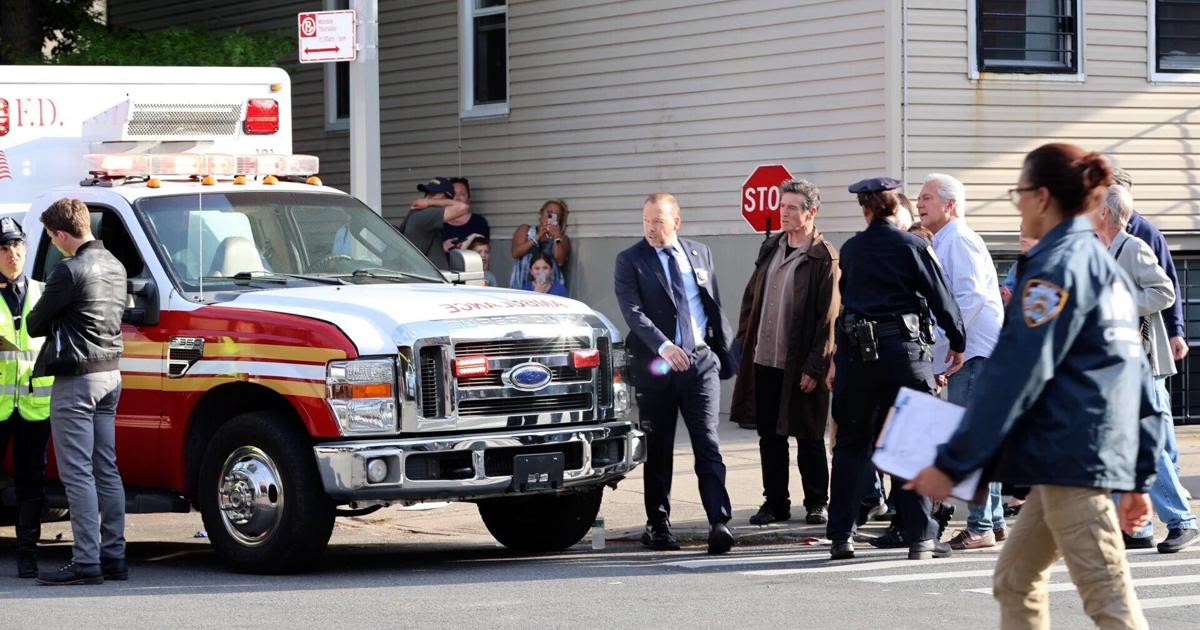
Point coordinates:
[(529, 377)]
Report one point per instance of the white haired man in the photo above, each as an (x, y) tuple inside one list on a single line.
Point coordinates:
[(972, 278), (1154, 294)]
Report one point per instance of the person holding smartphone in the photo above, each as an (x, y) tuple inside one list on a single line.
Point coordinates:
[(548, 237)]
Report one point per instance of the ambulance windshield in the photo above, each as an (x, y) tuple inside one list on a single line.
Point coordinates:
[(241, 240)]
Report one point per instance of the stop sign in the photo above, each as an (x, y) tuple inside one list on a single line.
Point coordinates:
[(760, 196)]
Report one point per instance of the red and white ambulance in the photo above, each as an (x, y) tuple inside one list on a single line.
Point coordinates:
[(289, 356)]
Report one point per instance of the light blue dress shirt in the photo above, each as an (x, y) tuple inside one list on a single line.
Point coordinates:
[(690, 288)]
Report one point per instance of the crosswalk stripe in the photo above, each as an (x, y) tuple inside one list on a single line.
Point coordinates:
[(1170, 602), (817, 555), (1058, 568), (1059, 587), (862, 566)]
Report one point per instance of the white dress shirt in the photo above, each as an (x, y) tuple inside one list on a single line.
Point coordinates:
[(972, 279), (690, 289)]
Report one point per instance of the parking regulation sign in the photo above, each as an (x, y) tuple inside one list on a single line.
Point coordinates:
[(327, 36)]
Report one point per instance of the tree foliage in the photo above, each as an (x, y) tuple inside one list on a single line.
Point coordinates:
[(69, 32), (176, 46)]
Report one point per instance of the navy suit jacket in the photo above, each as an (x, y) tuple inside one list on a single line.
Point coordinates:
[(644, 294)]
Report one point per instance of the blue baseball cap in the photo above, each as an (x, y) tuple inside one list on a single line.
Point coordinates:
[(874, 185), (437, 185)]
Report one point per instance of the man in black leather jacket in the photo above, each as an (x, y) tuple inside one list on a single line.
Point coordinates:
[(80, 314)]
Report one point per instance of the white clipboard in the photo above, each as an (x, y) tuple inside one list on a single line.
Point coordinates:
[(915, 427)]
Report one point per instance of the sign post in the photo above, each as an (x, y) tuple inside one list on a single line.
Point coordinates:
[(760, 196), (326, 36)]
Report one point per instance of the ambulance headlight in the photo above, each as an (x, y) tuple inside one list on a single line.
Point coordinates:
[(362, 395)]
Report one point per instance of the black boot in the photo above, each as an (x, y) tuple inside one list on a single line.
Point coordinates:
[(29, 530)]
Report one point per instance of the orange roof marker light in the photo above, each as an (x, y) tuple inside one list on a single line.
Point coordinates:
[(313, 180), (240, 180), (270, 180), (153, 182), (186, 165), (208, 180)]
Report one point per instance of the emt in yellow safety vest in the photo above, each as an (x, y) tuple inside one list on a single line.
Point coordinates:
[(24, 400)]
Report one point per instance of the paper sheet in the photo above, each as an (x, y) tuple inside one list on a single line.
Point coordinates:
[(915, 427)]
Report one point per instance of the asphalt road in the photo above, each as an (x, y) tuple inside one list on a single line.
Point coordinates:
[(459, 583)]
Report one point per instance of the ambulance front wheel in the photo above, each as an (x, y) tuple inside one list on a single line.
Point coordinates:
[(261, 496)]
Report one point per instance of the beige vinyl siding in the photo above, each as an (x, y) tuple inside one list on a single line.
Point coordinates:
[(980, 131), (610, 101), (309, 133)]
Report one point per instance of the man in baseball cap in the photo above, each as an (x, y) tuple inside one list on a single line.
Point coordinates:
[(423, 225)]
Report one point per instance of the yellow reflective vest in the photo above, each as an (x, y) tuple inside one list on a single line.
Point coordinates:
[(19, 390)]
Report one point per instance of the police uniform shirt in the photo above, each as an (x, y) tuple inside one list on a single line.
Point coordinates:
[(886, 271), (14, 297)]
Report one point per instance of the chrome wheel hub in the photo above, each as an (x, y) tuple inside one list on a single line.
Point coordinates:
[(250, 496)]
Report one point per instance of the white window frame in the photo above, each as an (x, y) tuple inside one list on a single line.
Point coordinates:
[(466, 61), (1153, 75), (332, 121), (975, 75)]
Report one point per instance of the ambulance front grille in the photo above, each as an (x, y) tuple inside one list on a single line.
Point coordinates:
[(183, 119)]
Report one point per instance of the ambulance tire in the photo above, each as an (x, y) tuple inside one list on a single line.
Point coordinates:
[(278, 517), (542, 522)]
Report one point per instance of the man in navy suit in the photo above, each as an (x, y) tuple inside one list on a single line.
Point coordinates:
[(678, 349)]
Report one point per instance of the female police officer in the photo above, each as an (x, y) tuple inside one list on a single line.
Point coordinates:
[(888, 275), (1065, 405)]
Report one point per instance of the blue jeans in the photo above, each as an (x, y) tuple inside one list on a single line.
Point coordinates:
[(989, 515), (1169, 497)]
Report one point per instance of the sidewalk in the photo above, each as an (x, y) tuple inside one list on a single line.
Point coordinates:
[(624, 513)]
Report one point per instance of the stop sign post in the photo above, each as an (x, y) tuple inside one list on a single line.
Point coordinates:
[(760, 196)]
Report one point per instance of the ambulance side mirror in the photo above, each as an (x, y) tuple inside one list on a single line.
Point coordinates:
[(466, 267), (144, 311)]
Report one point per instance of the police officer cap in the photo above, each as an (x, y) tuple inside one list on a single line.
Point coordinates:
[(874, 185), (10, 231)]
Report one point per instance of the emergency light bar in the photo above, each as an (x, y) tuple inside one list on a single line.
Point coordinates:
[(188, 164)]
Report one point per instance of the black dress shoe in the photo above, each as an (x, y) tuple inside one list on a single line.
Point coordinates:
[(72, 573), (942, 514), (659, 537), (767, 514), (842, 550), (891, 539), (926, 549), (114, 569), (720, 539), (26, 565), (1138, 542), (817, 516)]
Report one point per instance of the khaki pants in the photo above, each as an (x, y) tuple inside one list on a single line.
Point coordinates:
[(1080, 526)]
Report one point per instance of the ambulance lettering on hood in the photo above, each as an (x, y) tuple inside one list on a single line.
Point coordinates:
[(370, 314)]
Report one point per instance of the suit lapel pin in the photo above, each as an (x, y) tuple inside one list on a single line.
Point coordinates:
[(695, 253)]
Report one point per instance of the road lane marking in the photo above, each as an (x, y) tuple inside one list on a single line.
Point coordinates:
[(1059, 587), (1058, 568), (863, 566), (1170, 602)]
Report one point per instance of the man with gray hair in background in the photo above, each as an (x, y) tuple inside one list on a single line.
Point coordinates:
[(971, 276), (1154, 294)]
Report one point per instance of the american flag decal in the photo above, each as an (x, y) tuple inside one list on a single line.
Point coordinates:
[(5, 173)]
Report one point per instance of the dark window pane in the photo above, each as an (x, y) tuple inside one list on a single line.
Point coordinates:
[(341, 84), (491, 59), (1027, 35), (1177, 28), (483, 4)]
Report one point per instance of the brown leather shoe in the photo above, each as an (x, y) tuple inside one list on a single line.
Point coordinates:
[(966, 539), (1001, 534)]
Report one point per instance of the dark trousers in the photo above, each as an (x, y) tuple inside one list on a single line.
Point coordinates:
[(29, 441), (696, 394), (773, 448), (863, 393)]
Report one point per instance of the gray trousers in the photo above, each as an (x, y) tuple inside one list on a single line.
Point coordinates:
[(83, 411)]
